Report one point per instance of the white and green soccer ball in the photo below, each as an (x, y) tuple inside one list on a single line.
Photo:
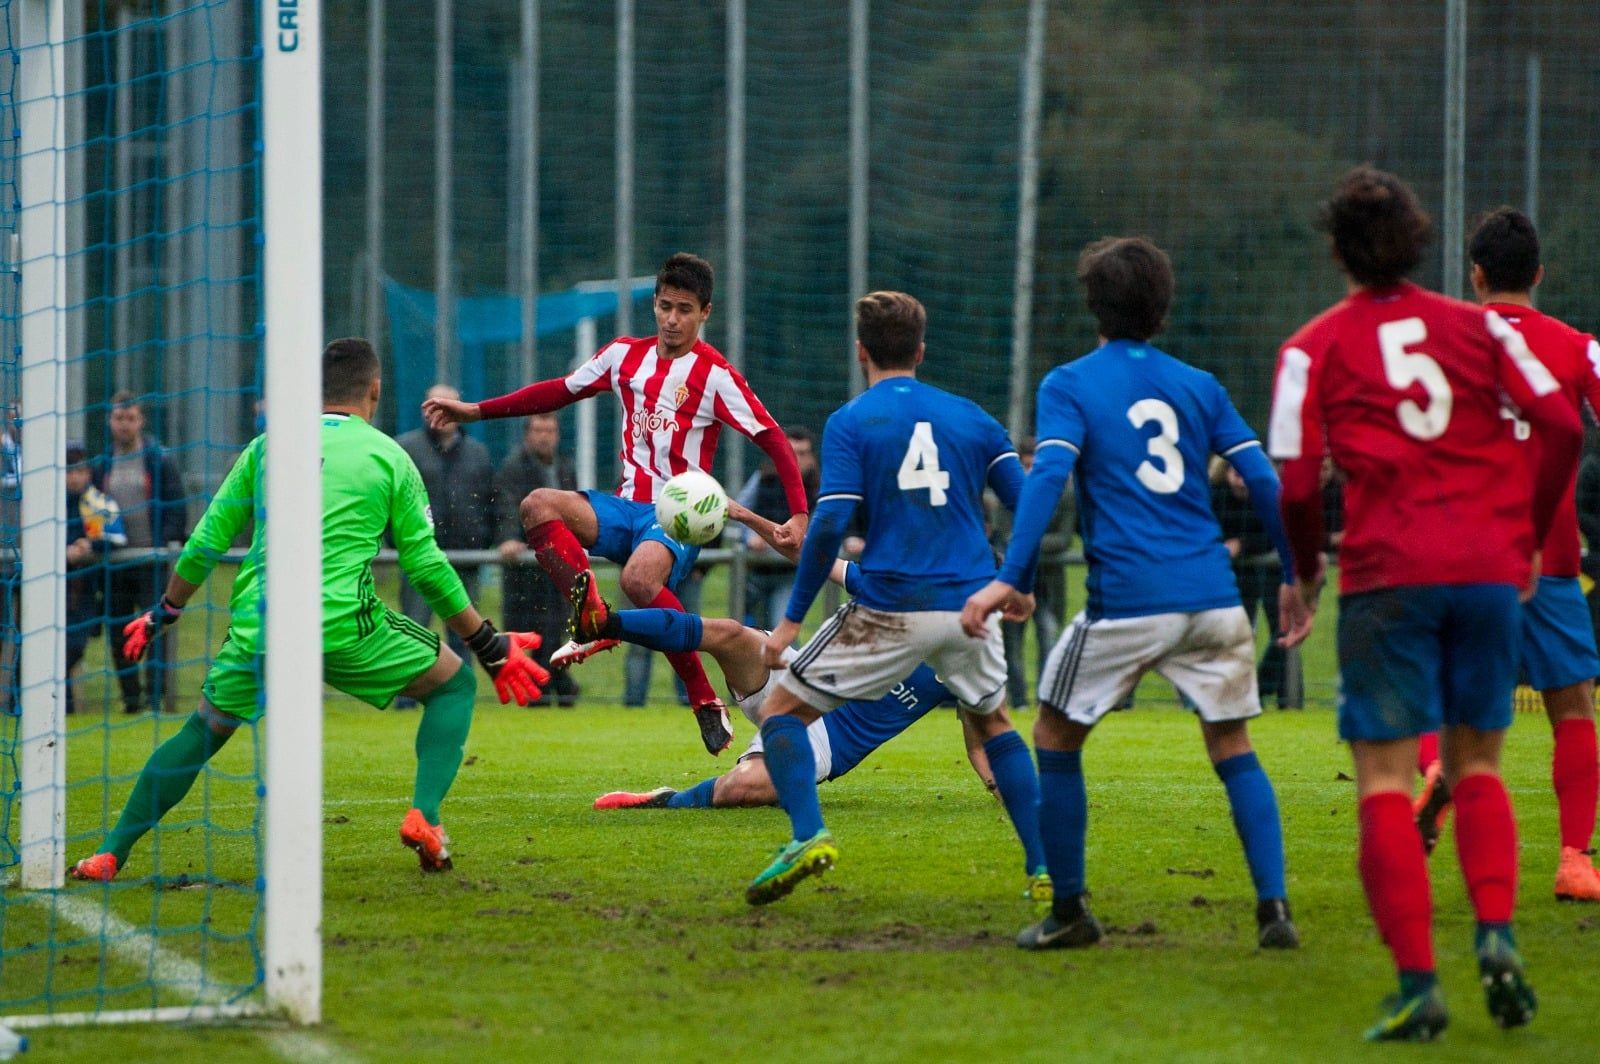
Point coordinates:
[(692, 508)]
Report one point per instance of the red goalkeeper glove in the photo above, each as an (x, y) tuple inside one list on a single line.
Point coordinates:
[(504, 657), (138, 633)]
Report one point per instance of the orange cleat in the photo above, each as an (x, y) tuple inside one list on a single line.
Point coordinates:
[(656, 799), (589, 611), (102, 868), (431, 842), (572, 652), (1431, 806), (1576, 878)]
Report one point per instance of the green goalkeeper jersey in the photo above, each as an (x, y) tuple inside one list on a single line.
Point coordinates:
[(369, 484)]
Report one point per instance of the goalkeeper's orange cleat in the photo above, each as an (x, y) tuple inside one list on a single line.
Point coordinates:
[(1431, 806), (572, 652), (589, 611), (1576, 878), (430, 841), (98, 868)]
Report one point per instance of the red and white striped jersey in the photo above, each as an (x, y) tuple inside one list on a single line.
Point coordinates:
[(673, 409)]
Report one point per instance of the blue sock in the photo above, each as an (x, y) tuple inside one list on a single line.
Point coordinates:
[(793, 769), (1018, 784), (696, 797), (659, 629), (1063, 818), (1255, 818)]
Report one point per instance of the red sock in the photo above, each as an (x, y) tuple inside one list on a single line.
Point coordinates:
[(686, 663), (1575, 768), (1486, 843), (559, 553), (1427, 751), (1395, 875)]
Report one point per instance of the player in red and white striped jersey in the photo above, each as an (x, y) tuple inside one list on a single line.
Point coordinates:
[(677, 391)]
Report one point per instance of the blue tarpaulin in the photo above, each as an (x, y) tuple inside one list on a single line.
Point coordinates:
[(484, 324)]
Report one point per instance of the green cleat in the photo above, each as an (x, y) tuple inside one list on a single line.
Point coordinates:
[(1040, 891), (1510, 999), (1419, 1018), (794, 862)]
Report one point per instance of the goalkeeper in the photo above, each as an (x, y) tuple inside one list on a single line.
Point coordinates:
[(369, 651)]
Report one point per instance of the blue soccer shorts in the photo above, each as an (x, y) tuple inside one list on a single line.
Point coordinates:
[(624, 524), (1558, 647), (1412, 659)]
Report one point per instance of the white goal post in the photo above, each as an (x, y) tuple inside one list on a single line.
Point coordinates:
[(290, 117)]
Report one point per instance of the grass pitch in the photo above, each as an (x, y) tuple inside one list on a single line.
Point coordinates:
[(567, 934)]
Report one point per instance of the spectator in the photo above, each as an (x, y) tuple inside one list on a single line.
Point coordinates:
[(142, 478), (531, 603), (1050, 585), (1332, 505), (94, 527), (459, 478), (766, 591), (1255, 567)]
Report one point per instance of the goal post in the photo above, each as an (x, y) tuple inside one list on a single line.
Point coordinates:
[(161, 223), (291, 113)]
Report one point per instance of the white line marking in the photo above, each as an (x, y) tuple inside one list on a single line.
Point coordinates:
[(179, 974)]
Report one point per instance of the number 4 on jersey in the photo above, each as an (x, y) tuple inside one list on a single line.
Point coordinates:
[(920, 467)]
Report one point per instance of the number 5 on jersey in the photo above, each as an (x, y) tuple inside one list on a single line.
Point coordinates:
[(920, 467)]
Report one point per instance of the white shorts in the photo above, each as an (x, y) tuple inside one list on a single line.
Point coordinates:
[(1210, 656), (821, 748), (862, 653), (751, 703)]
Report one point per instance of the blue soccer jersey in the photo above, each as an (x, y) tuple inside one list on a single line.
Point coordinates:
[(915, 460), (1137, 428), (856, 729)]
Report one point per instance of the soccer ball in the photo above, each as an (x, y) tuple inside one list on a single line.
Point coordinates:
[(692, 508)]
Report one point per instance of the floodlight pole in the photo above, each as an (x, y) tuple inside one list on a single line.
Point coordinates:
[(526, 88), (291, 114), (623, 219), (376, 116), (859, 176), (1455, 136), (1530, 147), (444, 337), (1027, 221)]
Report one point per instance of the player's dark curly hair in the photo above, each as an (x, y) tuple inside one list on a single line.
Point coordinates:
[(1378, 227), (1505, 245), (349, 366), (688, 272), (890, 325), (1128, 284)]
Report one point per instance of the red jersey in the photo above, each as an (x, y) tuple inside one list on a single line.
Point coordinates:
[(673, 410), (1404, 388), (1573, 358)]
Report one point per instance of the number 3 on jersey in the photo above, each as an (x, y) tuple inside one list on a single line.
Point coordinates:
[(1163, 446), (920, 467)]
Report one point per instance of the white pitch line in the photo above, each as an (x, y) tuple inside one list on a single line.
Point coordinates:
[(139, 948)]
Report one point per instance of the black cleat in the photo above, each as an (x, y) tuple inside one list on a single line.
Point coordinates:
[(1275, 926), (1431, 813), (1078, 930), (716, 731), (1506, 991)]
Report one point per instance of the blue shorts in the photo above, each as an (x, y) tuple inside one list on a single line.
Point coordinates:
[(624, 524), (1557, 637), (1412, 659)]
